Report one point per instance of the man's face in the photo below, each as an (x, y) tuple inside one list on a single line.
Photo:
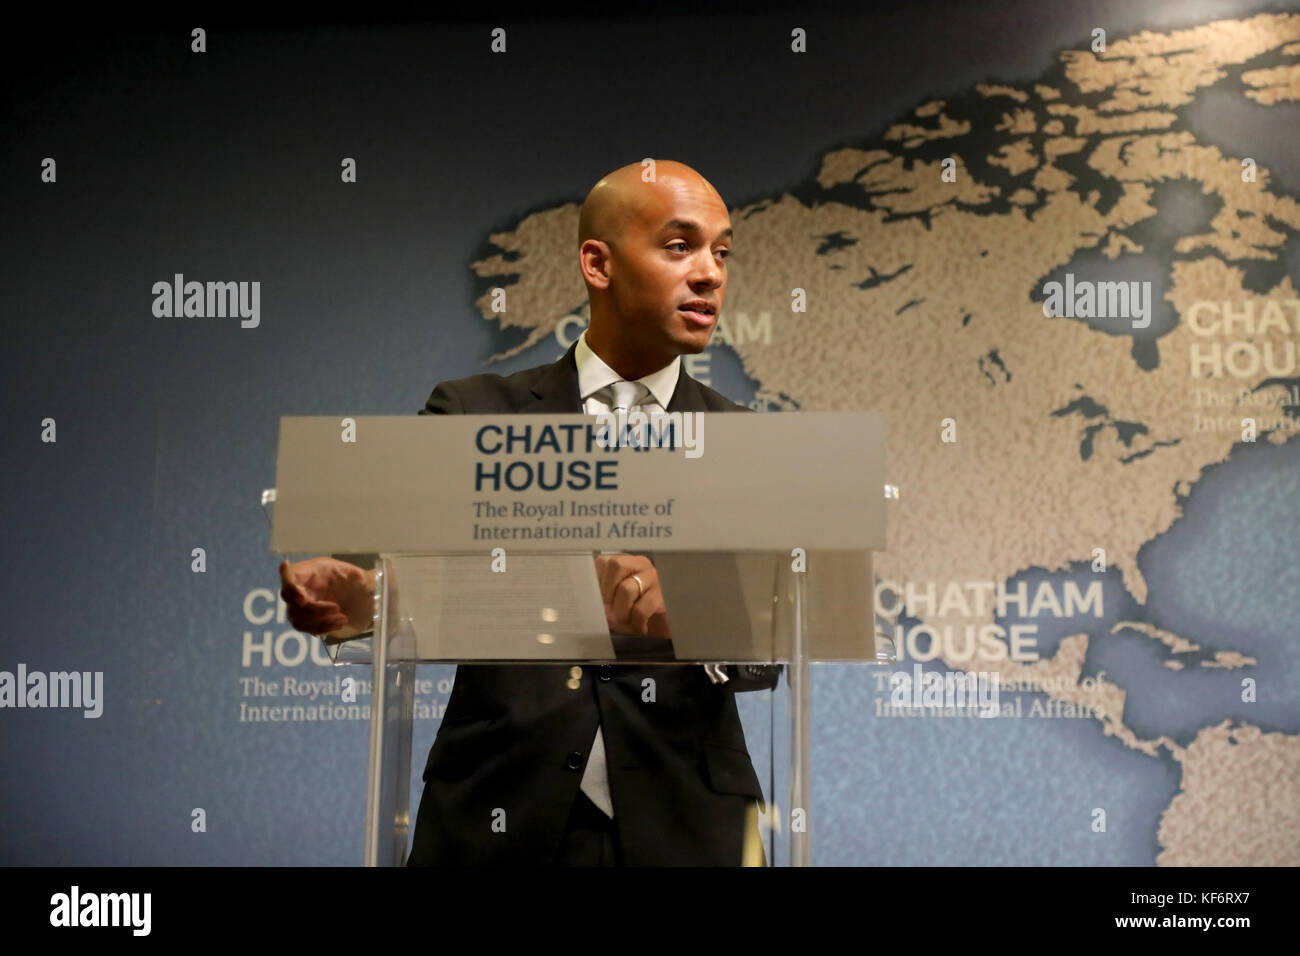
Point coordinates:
[(669, 270)]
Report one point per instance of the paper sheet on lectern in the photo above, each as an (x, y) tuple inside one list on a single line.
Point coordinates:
[(542, 606)]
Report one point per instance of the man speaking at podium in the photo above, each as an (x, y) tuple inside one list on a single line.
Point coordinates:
[(587, 772)]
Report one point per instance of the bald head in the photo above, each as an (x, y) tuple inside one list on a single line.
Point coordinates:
[(622, 198)]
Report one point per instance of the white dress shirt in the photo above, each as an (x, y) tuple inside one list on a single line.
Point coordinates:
[(594, 376)]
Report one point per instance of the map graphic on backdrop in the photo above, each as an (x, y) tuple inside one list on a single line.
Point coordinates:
[(1081, 438)]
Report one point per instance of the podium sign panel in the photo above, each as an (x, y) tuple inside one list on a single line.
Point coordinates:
[(470, 483)]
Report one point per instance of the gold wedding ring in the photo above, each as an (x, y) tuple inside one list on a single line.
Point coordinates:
[(640, 588)]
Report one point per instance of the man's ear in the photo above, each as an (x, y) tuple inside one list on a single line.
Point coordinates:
[(594, 263)]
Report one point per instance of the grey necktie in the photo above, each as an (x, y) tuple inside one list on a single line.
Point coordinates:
[(621, 397)]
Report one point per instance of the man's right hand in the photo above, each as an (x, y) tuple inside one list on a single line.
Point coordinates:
[(327, 596)]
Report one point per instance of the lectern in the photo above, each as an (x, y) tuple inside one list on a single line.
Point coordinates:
[(485, 533)]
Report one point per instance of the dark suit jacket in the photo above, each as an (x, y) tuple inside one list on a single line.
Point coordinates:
[(516, 738)]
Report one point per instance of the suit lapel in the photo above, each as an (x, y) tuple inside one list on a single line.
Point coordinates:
[(686, 396), (556, 391)]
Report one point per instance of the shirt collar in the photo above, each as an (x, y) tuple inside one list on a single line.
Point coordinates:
[(594, 374)]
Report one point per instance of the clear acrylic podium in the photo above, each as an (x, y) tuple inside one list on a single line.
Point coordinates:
[(769, 572), (753, 612)]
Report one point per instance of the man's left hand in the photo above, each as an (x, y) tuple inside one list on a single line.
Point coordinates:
[(629, 608)]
